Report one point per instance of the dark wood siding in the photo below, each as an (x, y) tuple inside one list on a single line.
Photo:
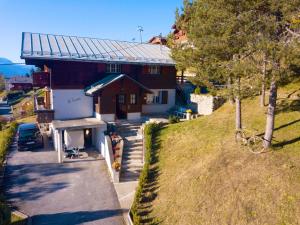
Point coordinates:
[(124, 86), (78, 75)]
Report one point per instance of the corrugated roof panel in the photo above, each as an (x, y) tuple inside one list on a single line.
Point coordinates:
[(107, 49), (91, 49), (78, 47), (53, 44), (70, 46), (114, 52), (94, 49), (36, 44), (122, 48), (62, 46), (26, 43), (45, 44), (85, 47), (100, 48)]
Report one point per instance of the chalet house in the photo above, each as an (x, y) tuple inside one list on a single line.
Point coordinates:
[(18, 83), (93, 81)]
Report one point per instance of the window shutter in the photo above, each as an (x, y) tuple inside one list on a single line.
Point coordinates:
[(164, 97)]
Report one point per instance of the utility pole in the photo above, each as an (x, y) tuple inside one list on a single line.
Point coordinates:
[(140, 29)]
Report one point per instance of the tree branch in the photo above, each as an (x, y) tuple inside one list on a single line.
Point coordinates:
[(292, 32)]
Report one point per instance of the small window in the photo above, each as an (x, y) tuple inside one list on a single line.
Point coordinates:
[(153, 69), (132, 99), (121, 99), (113, 68)]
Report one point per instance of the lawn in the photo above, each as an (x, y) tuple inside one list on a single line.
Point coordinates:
[(206, 178)]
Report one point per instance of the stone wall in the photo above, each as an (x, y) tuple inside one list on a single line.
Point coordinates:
[(205, 104)]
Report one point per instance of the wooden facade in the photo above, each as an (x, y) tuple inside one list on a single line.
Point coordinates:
[(79, 75), (107, 100)]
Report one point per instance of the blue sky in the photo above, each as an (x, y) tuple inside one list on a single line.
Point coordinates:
[(113, 19)]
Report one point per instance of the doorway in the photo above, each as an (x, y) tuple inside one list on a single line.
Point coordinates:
[(121, 107), (88, 142)]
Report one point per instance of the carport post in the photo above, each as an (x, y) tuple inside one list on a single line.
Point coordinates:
[(59, 142)]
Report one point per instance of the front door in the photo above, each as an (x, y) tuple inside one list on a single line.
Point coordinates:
[(88, 137), (121, 106)]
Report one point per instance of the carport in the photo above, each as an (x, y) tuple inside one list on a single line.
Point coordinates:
[(81, 133)]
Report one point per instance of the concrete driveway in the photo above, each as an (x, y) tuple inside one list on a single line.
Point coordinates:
[(67, 194)]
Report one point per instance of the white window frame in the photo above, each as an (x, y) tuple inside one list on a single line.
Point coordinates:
[(156, 98), (154, 69), (133, 99), (113, 68)]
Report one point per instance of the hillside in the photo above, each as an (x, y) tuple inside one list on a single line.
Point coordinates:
[(204, 177)]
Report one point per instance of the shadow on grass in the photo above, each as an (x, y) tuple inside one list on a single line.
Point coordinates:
[(288, 105), (287, 142), (150, 188), (281, 126)]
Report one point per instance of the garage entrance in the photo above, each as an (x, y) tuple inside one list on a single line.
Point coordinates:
[(83, 134)]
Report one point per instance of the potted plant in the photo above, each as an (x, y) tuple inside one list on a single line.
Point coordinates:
[(116, 165), (189, 114)]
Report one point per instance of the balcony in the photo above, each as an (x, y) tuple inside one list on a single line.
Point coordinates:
[(43, 111)]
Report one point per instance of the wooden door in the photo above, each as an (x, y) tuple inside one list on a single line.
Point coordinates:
[(121, 107)]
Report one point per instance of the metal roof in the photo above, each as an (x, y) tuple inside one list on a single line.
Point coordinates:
[(62, 47), (108, 80)]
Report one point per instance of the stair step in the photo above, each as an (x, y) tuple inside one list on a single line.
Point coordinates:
[(133, 162), (126, 171), (132, 148), (132, 166), (133, 156)]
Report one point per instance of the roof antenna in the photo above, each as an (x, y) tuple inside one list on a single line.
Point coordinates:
[(140, 29), (160, 41)]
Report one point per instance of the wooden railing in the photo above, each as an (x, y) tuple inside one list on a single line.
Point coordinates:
[(44, 113)]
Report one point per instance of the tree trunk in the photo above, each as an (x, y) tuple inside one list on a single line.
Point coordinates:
[(229, 87), (238, 107), (238, 113), (263, 85), (270, 114)]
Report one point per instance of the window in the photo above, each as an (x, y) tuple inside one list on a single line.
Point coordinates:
[(121, 99), (132, 99), (153, 69), (113, 68), (160, 98)]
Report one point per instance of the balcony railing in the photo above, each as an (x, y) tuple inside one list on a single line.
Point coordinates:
[(44, 113)]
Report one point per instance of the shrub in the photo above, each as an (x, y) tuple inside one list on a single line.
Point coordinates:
[(6, 136), (197, 91), (4, 214), (173, 119), (149, 132)]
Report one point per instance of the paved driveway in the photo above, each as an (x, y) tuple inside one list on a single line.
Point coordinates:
[(66, 194)]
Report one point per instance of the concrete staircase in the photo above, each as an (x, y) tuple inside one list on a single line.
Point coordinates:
[(132, 160)]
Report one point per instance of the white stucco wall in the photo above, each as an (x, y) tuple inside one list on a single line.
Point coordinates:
[(71, 104), (105, 117), (161, 108), (134, 116)]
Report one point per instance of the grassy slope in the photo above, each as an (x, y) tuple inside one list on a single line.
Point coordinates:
[(205, 178)]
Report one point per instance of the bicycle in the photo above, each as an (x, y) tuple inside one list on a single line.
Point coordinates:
[(253, 142)]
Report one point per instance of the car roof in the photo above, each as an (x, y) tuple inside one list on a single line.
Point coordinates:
[(28, 126)]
